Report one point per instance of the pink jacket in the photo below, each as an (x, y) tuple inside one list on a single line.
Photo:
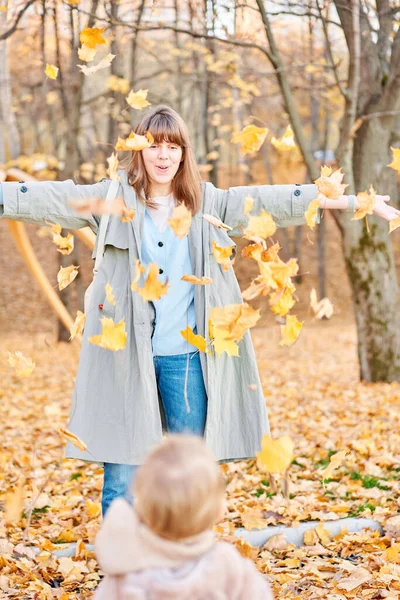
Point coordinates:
[(139, 565)]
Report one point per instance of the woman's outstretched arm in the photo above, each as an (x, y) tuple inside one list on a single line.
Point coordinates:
[(41, 201), (286, 203)]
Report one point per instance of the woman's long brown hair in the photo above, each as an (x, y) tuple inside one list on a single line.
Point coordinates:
[(165, 124)]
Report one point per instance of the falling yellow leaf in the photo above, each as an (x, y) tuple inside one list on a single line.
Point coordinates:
[(127, 214), (323, 308), (153, 288), (51, 71), (395, 164), (23, 366), (248, 205), (138, 100), (366, 202), (262, 226), (110, 294), (180, 221), (330, 183), (113, 164), (135, 142), (113, 336), (286, 142), (276, 456), (336, 460), (282, 302), (118, 84), (220, 342), (234, 319), (78, 325), (394, 224), (282, 272), (86, 54), (250, 138), (103, 64), (196, 280), (222, 255), (66, 275), (92, 36), (14, 502), (196, 340), (217, 222), (72, 438), (65, 243), (290, 331), (312, 213)]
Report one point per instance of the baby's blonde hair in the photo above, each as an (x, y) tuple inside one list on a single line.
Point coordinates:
[(179, 489)]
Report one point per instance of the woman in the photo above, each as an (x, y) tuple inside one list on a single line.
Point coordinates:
[(120, 397)]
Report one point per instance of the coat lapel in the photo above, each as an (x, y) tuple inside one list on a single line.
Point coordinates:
[(132, 201)]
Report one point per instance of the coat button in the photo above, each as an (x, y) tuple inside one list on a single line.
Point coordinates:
[(160, 271), (297, 192), (21, 181), (24, 189), (101, 306), (160, 244)]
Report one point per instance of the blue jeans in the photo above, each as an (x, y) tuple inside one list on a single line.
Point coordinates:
[(181, 415)]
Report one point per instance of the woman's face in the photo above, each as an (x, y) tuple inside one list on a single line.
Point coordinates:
[(161, 162)]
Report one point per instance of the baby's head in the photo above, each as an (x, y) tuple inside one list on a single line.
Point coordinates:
[(179, 490)]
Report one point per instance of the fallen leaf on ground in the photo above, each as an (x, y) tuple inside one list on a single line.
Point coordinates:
[(23, 366), (14, 502)]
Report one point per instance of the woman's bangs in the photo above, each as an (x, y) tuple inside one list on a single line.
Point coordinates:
[(164, 129)]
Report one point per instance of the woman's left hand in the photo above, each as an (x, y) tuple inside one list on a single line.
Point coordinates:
[(384, 210)]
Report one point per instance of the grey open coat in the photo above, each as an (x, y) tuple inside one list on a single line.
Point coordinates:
[(115, 407)]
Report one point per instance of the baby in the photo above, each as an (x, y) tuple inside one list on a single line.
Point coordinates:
[(164, 548)]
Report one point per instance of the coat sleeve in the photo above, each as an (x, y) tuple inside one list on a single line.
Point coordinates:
[(286, 203), (41, 201)]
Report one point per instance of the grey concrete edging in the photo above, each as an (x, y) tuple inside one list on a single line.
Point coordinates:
[(295, 535)]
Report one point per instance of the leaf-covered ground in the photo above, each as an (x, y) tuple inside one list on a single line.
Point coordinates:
[(313, 395)]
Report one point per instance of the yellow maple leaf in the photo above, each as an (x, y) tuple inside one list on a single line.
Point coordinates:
[(234, 319), (135, 142), (118, 207), (217, 222), (110, 294), (276, 456), (330, 183), (113, 336), (395, 164), (180, 221), (311, 213), (366, 202), (65, 243), (113, 164), (262, 226), (86, 53), (290, 331), (282, 302), (153, 288), (14, 502), (335, 462), (78, 325), (196, 280), (72, 438), (250, 138), (286, 142), (248, 205), (92, 36), (394, 224), (196, 340), (222, 255), (322, 308), (220, 342), (103, 64), (282, 272), (138, 100), (23, 366), (66, 275), (258, 287), (51, 71)]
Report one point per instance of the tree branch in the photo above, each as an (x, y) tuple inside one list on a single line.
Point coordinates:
[(19, 16)]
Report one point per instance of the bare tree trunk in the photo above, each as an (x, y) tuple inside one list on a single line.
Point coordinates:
[(9, 135)]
